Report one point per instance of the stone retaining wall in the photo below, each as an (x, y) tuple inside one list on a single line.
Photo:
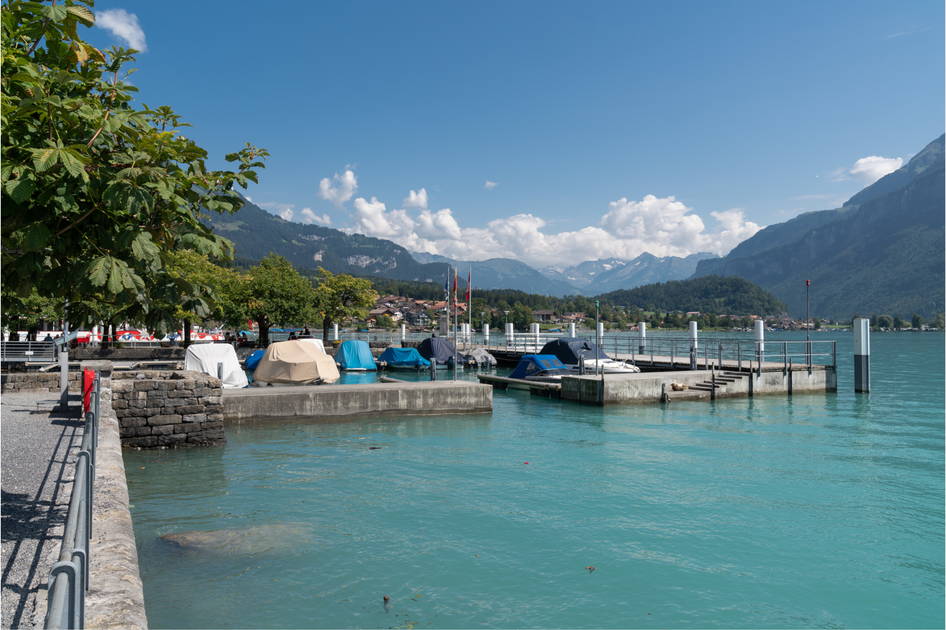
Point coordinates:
[(168, 409), (38, 381)]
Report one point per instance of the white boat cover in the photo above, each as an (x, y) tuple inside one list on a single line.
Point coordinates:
[(316, 342), (299, 362), (204, 357)]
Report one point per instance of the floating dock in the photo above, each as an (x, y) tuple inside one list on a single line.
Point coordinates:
[(340, 401)]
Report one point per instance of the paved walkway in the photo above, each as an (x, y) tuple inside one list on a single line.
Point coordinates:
[(38, 453)]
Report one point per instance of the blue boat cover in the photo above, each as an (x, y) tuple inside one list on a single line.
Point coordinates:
[(531, 364), (253, 360), (355, 354), (570, 350), (439, 349), (403, 357)]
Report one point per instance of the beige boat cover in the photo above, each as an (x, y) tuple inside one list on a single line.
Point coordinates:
[(296, 362)]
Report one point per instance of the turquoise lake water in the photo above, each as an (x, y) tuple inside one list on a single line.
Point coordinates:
[(822, 510)]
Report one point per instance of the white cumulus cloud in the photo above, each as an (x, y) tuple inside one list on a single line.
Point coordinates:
[(416, 199), (308, 216), (489, 185), (123, 25), (340, 188), (662, 226), (873, 167)]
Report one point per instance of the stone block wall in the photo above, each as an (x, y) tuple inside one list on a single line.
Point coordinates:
[(38, 381), (168, 409)]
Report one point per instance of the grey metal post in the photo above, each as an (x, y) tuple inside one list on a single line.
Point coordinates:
[(694, 344), (642, 333), (510, 333), (334, 332), (862, 355), (403, 333), (571, 329), (535, 335), (64, 360), (220, 370), (486, 335)]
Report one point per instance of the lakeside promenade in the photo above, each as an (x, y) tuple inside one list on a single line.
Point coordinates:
[(39, 450)]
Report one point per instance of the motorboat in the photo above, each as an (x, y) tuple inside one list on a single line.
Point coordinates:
[(541, 368), (354, 355), (403, 359), (584, 355)]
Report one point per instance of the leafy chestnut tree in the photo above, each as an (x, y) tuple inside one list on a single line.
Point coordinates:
[(96, 190)]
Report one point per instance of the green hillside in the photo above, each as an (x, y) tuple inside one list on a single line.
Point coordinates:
[(711, 294), (882, 252)]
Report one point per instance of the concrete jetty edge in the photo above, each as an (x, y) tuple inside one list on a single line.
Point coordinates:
[(116, 596), (324, 402)]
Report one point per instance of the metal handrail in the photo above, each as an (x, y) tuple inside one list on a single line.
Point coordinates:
[(709, 351), (69, 577), (23, 351)]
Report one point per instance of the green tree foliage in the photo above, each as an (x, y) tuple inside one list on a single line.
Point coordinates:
[(195, 289), (95, 190), (708, 294), (916, 321), (29, 312), (386, 322), (340, 297), (276, 294)]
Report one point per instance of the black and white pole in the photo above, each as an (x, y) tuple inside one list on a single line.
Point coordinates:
[(759, 341), (642, 333), (862, 355), (694, 344)]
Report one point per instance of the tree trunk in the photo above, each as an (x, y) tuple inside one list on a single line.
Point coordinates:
[(326, 324), (263, 333), (187, 332)]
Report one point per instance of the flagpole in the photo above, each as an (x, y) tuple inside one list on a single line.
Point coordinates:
[(456, 281)]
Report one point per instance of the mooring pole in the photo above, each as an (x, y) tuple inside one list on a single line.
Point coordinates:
[(642, 333), (862, 355), (759, 341), (571, 329), (64, 359), (694, 344), (486, 335), (334, 332)]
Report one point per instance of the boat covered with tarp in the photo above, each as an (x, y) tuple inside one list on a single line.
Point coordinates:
[(482, 358), (541, 368), (355, 355), (581, 353), (440, 350), (295, 362), (253, 360), (403, 359), (216, 359), (317, 343)]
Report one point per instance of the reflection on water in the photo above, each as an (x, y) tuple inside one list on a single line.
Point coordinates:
[(815, 510)]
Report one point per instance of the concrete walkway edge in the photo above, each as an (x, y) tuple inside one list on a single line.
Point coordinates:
[(116, 597)]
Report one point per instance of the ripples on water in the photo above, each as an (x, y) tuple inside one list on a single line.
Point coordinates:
[(814, 511)]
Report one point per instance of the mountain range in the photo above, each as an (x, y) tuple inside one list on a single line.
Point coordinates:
[(255, 233), (881, 252)]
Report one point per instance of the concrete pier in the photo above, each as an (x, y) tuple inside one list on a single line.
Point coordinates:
[(651, 387), (340, 401)]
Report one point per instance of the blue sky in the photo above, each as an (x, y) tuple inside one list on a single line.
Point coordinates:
[(605, 128)]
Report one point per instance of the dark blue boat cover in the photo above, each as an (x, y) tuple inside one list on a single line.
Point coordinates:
[(531, 364), (403, 357), (355, 354), (570, 349), (439, 349), (254, 359)]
